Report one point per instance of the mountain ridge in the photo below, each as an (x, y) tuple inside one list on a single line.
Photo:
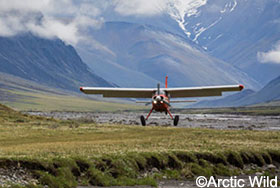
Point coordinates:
[(149, 53), (45, 61), (236, 31)]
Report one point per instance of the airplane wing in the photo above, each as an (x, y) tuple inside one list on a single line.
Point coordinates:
[(149, 92), (201, 91), (120, 92)]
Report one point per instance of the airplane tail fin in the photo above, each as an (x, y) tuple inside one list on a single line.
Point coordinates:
[(166, 81)]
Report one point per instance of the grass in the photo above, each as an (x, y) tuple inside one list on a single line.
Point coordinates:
[(34, 100), (67, 153), (34, 138)]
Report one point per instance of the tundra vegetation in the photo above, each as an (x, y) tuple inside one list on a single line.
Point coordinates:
[(29, 99), (69, 153)]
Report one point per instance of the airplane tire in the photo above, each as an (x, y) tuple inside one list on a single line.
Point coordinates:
[(143, 121), (176, 120)]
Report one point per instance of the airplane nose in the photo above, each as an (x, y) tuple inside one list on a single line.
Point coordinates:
[(158, 98)]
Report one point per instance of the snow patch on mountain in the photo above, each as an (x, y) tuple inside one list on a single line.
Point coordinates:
[(180, 9), (233, 7), (202, 29), (229, 7)]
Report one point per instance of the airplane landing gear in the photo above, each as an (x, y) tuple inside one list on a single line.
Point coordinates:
[(176, 120), (143, 120)]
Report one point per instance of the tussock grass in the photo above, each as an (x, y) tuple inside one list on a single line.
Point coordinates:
[(97, 140)]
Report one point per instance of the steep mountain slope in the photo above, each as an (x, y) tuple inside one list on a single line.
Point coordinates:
[(139, 55), (270, 93), (44, 61), (235, 31)]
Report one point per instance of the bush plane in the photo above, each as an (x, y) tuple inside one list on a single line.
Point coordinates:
[(161, 96)]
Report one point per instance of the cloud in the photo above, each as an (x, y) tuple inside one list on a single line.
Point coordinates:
[(71, 20), (155, 7), (272, 56), (140, 7), (62, 19)]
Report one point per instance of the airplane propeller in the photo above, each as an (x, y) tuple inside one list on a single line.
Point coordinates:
[(160, 99), (158, 88)]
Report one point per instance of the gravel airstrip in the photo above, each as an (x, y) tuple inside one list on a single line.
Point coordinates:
[(213, 121)]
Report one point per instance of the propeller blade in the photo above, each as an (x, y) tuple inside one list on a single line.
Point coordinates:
[(158, 89)]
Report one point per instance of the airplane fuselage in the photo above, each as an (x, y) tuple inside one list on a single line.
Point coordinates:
[(160, 103)]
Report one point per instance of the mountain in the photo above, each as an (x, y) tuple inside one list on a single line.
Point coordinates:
[(228, 101), (271, 92), (268, 94), (235, 32), (48, 62), (137, 55), (196, 42)]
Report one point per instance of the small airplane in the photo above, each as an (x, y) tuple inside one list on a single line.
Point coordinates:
[(161, 97)]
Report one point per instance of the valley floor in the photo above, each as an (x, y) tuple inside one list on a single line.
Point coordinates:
[(84, 151)]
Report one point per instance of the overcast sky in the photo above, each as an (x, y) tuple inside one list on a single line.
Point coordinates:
[(48, 18), (67, 19)]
